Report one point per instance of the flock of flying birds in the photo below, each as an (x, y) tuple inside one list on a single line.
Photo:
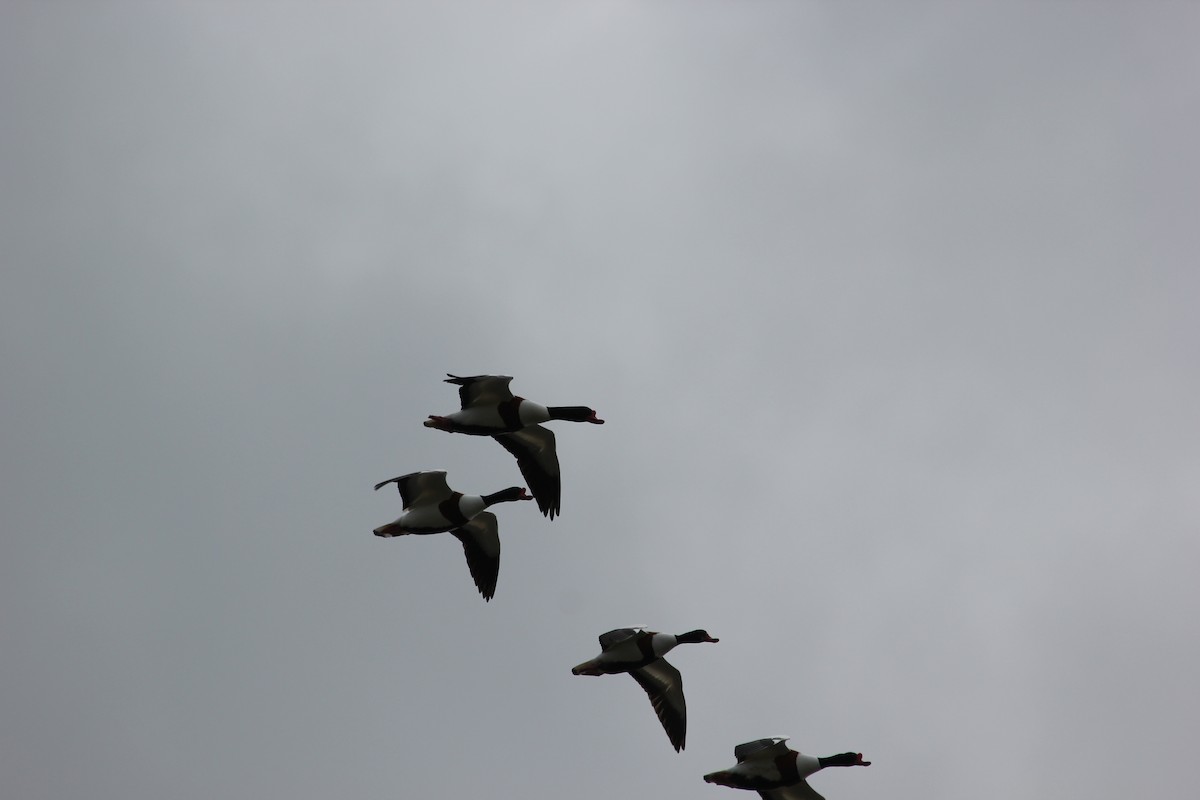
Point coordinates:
[(489, 408)]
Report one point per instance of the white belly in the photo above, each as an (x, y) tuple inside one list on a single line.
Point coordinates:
[(531, 413), (423, 518), (807, 765), (662, 643), (483, 417), (470, 505), (431, 516)]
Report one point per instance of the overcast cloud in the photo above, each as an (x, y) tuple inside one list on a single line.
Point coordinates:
[(891, 309)]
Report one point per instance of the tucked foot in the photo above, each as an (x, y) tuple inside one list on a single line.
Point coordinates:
[(721, 778), (586, 668)]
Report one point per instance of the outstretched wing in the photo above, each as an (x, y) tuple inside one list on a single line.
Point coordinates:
[(481, 543), (664, 685), (767, 749), (481, 390), (537, 459), (618, 635), (429, 487), (797, 791)]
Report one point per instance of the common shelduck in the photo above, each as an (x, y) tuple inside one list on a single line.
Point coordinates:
[(640, 652), (777, 772), (431, 506), (489, 408)]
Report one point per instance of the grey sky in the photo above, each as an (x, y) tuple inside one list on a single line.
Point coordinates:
[(891, 310)]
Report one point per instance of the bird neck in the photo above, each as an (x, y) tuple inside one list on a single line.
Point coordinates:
[(503, 496), (571, 413), (840, 760)]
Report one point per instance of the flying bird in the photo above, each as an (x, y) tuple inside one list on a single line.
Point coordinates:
[(489, 408), (430, 506), (777, 772), (640, 652)]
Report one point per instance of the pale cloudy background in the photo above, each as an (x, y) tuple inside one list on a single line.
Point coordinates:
[(891, 307)]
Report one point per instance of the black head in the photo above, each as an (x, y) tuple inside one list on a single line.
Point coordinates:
[(506, 496), (575, 414), (695, 637), (844, 760)]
